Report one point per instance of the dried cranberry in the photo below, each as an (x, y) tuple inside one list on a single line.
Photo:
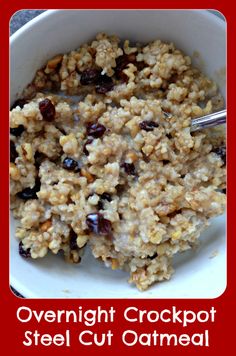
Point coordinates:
[(47, 109), (95, 130), (13, 152), (71, 165), (148, 125), (98, 224), (20, 103), (30, 193), (17, 131), (89, 76), (104, 84), (24, 252), (221, 152), (73, 240), (129, 168), (86, 152)]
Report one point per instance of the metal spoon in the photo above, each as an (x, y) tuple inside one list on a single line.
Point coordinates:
[(214, 119)]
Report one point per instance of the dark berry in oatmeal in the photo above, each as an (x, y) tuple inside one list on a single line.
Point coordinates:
[(104, 196), (221, 152), (17, 131), (98, 224), (148, 125), (86, 152), (89, 76), (153, 256), (71, 164), (104, 84), (24, 252), (20, 103), (47, 109), (122, 63), (73, 240), (129, 168), (140, 65), (95, 130), (13, 152), (30, 193), (39, 157)]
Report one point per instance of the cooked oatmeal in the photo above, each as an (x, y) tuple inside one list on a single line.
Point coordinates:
[(102, 155)]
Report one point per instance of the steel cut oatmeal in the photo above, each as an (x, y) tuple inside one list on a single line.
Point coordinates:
[(112, 164)]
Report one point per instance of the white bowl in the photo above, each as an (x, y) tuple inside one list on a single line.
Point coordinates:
[(199, 34)]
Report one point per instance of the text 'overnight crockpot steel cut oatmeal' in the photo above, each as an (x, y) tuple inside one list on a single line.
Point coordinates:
[(112, 164)]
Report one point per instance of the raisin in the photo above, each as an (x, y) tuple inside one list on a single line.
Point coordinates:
[(224, 190), (100, 205), (104, 84), (20, 103), (122, 76), (98, 224), (140, 65), (95, 130), (17, 131), (153, 256), (169, 136), (73, 240), (121, 63), (86, 152), (221, 152), (129, 168), (13, 152), (47, 110), (89, 76), (30, 193), (165, 161), (38, 159), (71, 165), (24, 252), (174, 213), (148, 125), (104, 196)]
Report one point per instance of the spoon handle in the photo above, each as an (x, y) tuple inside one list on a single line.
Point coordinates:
[(214, 119)]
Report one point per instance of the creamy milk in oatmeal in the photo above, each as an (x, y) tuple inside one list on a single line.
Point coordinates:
[(112, 165)]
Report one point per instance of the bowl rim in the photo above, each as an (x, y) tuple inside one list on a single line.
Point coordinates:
[(48, 13)]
